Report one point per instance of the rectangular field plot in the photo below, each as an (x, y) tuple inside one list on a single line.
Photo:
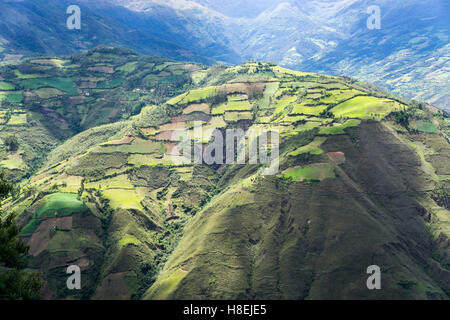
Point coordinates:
[(339, 129), (365, 107), (118, 182), (124, 199), (13, 162), (138, 146), (312, 148), (6, 86), (11, 97)]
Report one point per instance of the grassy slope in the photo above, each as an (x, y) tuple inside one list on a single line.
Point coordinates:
[(259, 237)]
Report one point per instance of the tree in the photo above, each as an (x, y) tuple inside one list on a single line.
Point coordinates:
[(402, 118), (15, 282), (11, 143)]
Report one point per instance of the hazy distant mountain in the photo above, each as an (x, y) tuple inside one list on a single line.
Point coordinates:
[(409, 54), (360, 176)]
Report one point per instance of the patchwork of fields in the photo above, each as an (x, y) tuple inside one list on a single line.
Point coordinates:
[(121, 200)]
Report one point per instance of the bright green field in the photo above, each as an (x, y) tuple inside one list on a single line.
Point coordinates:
[(18, 119), (194, 96), (300, 128), (162, 66), (25, 76), (220, 109), (30, 228), (128, 239), (64, 204), (237, 97), (336, 96), (13, 162), (239, 106), (312, 111), (426, 126), (365, 107), (125, 199), (55, 62), (237, 116), (54, 205), (232, 106), (312, 148), (128, 67), (168, 285), (339, 129)]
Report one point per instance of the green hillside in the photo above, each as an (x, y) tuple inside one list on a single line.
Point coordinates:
[(49, 100), (363, 180)]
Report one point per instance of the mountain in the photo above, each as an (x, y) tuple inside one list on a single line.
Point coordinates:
[(408, 55), (29, 27), (57, 98), (362, 180), (409, 63)]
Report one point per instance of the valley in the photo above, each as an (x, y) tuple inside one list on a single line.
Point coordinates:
[(363, 180)]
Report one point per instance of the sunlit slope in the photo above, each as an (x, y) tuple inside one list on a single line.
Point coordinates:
[(45, 101), (355, 187), (277, 239)]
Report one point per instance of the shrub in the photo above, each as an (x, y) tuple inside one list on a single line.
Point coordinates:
[(402, 118), (12, 143)]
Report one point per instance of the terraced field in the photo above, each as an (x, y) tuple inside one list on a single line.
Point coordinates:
[(145, 222), (366, 108), (316, 172), (55, 205), (53, 99)]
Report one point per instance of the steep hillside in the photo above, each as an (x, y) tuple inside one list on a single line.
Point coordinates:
[(408, 63), (408, 55), (277, 239), (38, 27), (47, 100), (363, 180)]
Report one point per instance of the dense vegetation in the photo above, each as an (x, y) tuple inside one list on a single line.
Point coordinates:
[(363, 180)]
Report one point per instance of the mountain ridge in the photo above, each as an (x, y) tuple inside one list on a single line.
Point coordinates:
[(327, 36)]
